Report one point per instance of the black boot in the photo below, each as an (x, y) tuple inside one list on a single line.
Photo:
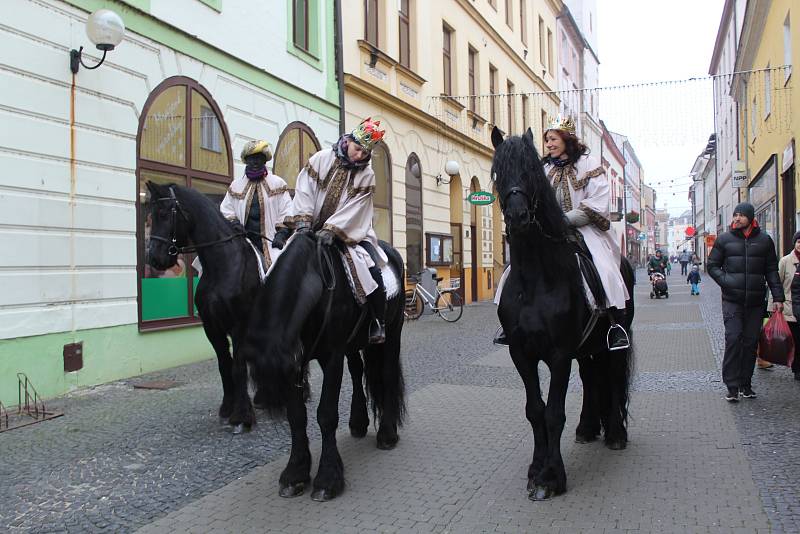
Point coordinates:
[(377, 305), (617, 338), (500, 337)]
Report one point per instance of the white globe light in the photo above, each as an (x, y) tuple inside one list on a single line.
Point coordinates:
[(105, 29), (451, 168)]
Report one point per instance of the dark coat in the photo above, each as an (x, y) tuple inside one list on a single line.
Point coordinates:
[(693, 278), (796, 291), (741, 265)]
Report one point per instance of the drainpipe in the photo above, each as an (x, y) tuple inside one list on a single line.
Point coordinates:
[(337, 8)]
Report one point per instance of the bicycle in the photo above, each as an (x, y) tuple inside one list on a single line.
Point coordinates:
[(445, 302)]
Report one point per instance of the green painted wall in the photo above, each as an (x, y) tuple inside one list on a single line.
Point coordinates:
[(108, 354), (138, 20)]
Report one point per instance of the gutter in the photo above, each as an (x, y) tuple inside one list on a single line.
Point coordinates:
[(338, 52)]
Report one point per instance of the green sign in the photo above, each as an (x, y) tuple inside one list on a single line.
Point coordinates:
[(480, 198)]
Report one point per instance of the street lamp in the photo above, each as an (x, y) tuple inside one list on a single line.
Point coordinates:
[(451, 169), (105, 29)]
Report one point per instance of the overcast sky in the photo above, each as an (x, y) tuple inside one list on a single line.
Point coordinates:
[(668, 124)]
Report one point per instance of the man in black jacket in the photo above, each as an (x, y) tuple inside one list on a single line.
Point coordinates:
[(740, 262)]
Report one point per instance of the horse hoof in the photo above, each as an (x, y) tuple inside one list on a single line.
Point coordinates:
[(584, 439), (358, 432), (322, 495), (617, 445), (292, 490), (387, 445), (540, 493), (240, 428)]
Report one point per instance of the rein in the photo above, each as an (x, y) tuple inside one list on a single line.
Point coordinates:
[(330, 286), (516, 190), (174, 249)]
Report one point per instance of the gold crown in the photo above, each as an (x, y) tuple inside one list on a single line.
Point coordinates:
[(367, 133), (566, 124)]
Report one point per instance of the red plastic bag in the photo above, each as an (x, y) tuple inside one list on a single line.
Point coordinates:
[(776, 344)]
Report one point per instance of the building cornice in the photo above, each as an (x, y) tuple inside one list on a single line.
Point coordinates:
[(412, 113), (724, 26), (752, 31), (490, 31)]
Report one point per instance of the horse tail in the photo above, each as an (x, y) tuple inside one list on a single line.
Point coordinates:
[(382, 366), (273, 375), (623, 362)]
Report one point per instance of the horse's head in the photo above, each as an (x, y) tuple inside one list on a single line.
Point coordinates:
[(168, 224), (523, 190)]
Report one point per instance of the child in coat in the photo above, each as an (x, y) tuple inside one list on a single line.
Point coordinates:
[(694, 279)]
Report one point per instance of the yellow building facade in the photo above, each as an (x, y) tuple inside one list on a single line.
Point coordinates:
[(768, 107), (424, 69)]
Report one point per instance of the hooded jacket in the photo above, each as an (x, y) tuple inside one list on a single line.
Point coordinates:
[(741, 264)]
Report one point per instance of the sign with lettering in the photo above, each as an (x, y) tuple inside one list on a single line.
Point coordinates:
[(480, 198), (739, 175)]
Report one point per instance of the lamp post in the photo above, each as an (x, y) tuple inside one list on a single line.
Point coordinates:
[(105, 29)]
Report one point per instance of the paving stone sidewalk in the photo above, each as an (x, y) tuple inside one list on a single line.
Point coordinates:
[(462, 459), (122, 459)]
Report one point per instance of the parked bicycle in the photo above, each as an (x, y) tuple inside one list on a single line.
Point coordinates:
[(444, 302)]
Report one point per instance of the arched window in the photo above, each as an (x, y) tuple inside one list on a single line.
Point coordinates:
[(296, 144), (182, 139), (382, 167), (414, 252)]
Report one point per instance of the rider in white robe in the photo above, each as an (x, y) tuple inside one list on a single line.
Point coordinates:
[(259, 201), (582, 190), (334, 197)]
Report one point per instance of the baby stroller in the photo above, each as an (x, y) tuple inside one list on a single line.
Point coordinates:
[(659, 282)]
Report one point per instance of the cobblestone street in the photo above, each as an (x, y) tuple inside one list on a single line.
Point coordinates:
[(160, 461)]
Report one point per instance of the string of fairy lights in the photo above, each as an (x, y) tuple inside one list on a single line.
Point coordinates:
[(653, 115)]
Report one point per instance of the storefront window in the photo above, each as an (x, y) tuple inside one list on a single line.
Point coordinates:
[(182, 140)]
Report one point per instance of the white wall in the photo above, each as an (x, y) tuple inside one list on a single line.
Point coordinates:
[(255, 32), (69, 242)]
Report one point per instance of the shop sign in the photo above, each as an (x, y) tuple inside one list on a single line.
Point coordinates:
[(739, 174), (480, 198)]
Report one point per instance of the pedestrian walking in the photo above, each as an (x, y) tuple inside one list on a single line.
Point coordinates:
[(694, 279), (790, 278), (684, 260), (741, 262)]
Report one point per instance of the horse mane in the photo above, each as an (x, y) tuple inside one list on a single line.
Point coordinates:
[(273, 344), (203, 208)]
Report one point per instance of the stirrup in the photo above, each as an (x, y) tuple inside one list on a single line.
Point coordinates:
[(624, 345), (378, 335), (500, 337)]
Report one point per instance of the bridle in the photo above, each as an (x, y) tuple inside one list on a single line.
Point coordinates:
[(172, 241), (533, 204)]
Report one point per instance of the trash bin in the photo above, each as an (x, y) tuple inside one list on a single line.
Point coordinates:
[(427, 279)]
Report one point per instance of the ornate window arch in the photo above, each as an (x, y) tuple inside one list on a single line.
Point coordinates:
[(296, 144), (182, 139), (382, 167), (414, 237)]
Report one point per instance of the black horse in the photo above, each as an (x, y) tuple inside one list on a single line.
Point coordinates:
[(306, 311), (225, 293), (543, 312)]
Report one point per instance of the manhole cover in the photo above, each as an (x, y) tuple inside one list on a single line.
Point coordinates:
[(157, 384)]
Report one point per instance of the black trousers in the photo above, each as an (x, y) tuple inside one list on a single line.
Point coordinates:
[(683, 267), (795, 328), (742, 328)]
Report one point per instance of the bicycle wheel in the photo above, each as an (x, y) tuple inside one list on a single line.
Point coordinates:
[(413, 307), (449, 306)]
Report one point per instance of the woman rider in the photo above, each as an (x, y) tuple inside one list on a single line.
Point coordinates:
[(582, 190)]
